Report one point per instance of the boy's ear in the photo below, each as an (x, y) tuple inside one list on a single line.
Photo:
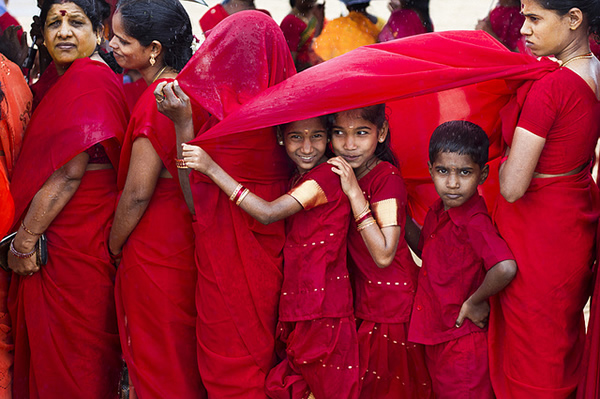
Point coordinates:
[(383, 132), (484, 174), (430, 166)]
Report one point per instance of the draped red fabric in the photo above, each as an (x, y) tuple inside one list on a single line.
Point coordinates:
[(64, 319), (423, 84), (239, 260), (84, 107), (157, 276), (7, 204)]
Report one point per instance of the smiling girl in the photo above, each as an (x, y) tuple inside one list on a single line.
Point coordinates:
[(316, 323), (380, 261)]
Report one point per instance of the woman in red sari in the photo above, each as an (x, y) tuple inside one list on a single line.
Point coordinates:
[(548, 212), (152, 229), (64, 319), (238, 259)]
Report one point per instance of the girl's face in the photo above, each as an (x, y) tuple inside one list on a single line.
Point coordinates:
[(355, 139), (305, 143), (127, 50), (546, 32)]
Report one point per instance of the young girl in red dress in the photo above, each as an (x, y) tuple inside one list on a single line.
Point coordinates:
[(316, 324), (382, 267)]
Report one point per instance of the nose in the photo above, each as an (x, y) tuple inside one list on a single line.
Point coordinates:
[(306, 146), (526, 28), (113, 43), (64, 30), (452, 181), (350, 143)]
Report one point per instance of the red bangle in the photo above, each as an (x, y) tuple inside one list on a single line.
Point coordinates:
[(364, 217)]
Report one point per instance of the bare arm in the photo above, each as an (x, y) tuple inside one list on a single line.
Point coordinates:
[(516, 173), (45, 206), (412, 235), (381, 242), (176, 105), (144, 171), (476, 308), (261, 210)]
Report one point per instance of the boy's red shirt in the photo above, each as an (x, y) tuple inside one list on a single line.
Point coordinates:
[(459, 246)]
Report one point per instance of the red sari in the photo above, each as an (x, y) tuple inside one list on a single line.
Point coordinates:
[(239, 260), (64, 319), (536, 350), (156, 279)]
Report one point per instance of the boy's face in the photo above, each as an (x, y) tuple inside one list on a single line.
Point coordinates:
[(456, 177)]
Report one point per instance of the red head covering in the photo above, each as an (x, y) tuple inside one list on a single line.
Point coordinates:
[(245, 54)]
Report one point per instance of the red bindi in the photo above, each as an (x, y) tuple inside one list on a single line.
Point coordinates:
[(63, 12)]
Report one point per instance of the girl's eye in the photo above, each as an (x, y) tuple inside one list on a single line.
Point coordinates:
[(465, 172), (362, 132), (294, 136), (337, 132)]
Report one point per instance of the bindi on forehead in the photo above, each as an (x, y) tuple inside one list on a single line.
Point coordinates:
[(63, 12)]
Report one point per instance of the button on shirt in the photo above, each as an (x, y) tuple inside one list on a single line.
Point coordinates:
[(458, 247)]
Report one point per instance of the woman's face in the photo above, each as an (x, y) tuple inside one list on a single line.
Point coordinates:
[(68, 34), (127, 50), (546, 32)]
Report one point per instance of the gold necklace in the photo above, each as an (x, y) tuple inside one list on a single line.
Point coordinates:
[(159, 73), (578, 57)]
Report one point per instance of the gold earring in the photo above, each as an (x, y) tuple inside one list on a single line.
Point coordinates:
[(99, 40), (152, 60), (280, 142)]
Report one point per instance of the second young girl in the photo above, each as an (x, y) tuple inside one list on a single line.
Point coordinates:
[(316, 328), (383, 270)]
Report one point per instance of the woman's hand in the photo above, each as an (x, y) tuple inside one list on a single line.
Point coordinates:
[(23, 267), (173, 102), (347, 177), (197, 159)]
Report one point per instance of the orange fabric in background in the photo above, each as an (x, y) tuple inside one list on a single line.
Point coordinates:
[(344, 34)]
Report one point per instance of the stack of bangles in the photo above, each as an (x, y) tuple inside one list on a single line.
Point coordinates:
[(18, 254), (239, 194), (180, 164), (365, 218)]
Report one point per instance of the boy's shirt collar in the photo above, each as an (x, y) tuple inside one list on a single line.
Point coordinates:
[(461, 215)]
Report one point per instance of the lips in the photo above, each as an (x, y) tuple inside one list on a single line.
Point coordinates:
[(65, 46), (351, 158)]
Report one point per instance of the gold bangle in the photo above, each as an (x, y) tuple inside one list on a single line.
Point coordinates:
[(181, 164), (362, 213), (235, 192), (242, 196), (366, 224), (29, 231)]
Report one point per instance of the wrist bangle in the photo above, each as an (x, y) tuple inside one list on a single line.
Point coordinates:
[(234, 196), (18, 254), (362, 213), (242, 196), (367, 215), (180, 163), (369, 221), (29, 231)]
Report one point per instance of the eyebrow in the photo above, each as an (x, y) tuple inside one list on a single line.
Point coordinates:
[(358, 127)]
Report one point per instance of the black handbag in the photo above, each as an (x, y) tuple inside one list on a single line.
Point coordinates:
[(41, 247)]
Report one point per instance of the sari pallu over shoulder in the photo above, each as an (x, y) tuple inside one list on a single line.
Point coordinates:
[(85, 107)]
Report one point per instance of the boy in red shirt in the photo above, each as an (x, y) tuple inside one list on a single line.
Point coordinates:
[(465, 261)]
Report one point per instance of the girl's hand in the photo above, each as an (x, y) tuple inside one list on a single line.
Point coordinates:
[(173, 102), (23, 267), (196, 158), (347, 177), (478, 313)]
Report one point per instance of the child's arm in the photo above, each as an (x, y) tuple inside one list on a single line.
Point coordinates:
[(412, 234), (261, 210), (476, 308), (381, 242)]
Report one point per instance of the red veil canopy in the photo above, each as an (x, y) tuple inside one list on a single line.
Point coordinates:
[(425, 80)]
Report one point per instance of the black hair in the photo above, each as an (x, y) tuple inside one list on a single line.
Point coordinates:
[(590, 8), (165, 21), (461, 137), (376, 115), (422, 9), (97, 11), (358, 7), (292, 3)]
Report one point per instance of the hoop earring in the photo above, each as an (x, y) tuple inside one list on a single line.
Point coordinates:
[(152, 60)]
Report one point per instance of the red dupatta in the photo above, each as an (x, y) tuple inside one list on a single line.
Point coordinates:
[(86, 106), (6, 203), (425, 80)]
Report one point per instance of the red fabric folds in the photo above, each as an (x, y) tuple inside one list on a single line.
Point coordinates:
[(157, 277), (85, 107), (7, 204), (64, 322), (424, 85), (239, 260)]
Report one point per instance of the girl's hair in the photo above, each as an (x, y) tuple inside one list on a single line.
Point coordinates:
[(165, 21), (358, 7), (97, 11), (590, 8), (376, 115)]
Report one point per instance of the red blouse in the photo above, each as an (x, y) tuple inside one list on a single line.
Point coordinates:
[(383, 295), (316, 282), (459, 246), (563, 109)]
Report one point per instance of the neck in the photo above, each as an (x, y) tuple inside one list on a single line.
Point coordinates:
[(577, 47), (156, 72)]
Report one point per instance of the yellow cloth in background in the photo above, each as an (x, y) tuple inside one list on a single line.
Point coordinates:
[(344, 34)]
